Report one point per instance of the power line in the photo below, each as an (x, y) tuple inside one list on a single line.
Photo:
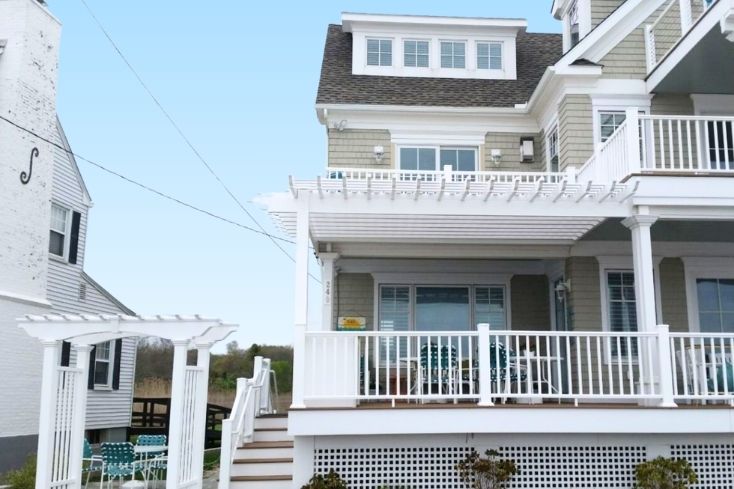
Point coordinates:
[(143, 186), (181, 133)]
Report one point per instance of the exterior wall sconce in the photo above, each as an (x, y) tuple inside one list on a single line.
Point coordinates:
[(527, 150), (496, 155), (562, 290), (379, 153)]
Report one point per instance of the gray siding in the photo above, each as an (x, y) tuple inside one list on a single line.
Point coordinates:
[(509, 143), (666, 104), (601, 9), (105, 409), (585, 296), (354, 148), (355, 297), (576, 139), (530, 303), (673, 294)]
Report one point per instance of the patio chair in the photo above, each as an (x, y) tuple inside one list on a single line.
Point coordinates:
[(504, 368), (155, 462), (438, 367), (90, 461), (714, 373), (118, 462)]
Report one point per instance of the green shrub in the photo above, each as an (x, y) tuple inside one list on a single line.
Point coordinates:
[(486, 473), (329, 481), (24, 477), (665, 473)]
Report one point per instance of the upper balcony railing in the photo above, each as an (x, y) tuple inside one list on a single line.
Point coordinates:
[(688, 145), (672, 23), (447, 175)]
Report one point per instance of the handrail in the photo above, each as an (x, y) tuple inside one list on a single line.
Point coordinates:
[(249, 404)]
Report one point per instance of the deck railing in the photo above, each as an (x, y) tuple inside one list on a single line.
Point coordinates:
[(670, 24), (252, 400), (447, 174), (484, 366)]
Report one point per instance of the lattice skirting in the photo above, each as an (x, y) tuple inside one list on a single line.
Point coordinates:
[(544, 462)]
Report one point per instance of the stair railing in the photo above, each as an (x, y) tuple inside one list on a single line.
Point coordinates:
[(252, 400)]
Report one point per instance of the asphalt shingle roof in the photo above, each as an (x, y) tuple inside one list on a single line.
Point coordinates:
[(535, 53)]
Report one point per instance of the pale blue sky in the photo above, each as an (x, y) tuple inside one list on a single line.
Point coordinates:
[(240, 78)]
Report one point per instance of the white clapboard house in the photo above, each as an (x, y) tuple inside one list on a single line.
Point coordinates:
[(44, 207), (526, 244)]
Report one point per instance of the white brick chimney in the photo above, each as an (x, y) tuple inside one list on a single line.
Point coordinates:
[(28, 73)]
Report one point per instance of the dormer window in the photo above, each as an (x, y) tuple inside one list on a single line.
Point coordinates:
[(453, 54), (379, 52), (416, 54), (573, 23), (489, 56)]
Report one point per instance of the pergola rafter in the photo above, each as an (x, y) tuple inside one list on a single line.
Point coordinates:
[(64, 389)]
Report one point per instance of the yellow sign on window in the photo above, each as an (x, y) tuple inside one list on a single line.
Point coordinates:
[(352, 323)]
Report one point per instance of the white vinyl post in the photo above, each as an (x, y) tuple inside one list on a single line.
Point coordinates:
[(328, 274), (640, 225), (256, 371), (634, 155), (485, 378), (300, 312), (200, 404), (175, 425), (686, 16), (80, 413), (299, 367), (47, 414), (665, 367)]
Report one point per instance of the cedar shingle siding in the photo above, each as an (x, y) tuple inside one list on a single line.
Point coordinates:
[(509, 143), (535, 53), (601, 9), (354, 148), (576, 134)]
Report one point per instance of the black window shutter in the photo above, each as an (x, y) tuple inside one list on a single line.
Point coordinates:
[(65, 353), (76, 220), (116, 371), (92, 358)]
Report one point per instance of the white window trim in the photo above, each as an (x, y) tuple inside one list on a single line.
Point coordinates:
[(402, 52), (438, 280), (466, 53), (502, 55), (584, 13), (437, 148), (392, 52), (611, 103), (110, 369), (552, 126), (67, 234), (700, 268), (624, 264)]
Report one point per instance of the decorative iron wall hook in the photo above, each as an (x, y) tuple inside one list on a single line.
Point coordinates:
[(26, 177)]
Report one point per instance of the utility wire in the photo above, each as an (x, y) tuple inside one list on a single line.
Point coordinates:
[(143, 186), (182, 134)]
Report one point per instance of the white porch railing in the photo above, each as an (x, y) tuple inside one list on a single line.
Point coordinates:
[(344, 368), (252, 400), (703, 366), (447, 175), (663, 144), (673, 21)]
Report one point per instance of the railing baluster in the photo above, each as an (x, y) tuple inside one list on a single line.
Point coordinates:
[(663, 164), (588, 365), (725, 137), (648, 341), (671, 156), (579, 377), (691, 166), (599, 369), (568, 365), (717, 149), (630, 370), (706, 149)]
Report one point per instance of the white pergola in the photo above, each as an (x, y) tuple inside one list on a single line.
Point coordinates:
[(64, 390)]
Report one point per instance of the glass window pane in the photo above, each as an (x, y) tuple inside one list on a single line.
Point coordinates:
[(489, 307), (446, 62), (459, 49), (726, 293), (373, 58), (386, 46), (446, 49), (442, 309), (483, 49), (56, 244), (708, 295), (385, 59), (495, 63), (466, 158), (394, 308), (59, 217), (495, 49), (727, 322), (101, 373), (449, 157), (422, 47), (710, 322), (426, 159), (459, 62), (410, 60), (482, 63), (409, 158), (422, 61), (410, 47)]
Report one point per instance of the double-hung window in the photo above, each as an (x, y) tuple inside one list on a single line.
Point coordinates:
[(715, 305), (436, 158), (59, 237), (453, 54), (552, 143), (489, 55), (622, 309), (379, 52), (609, 121), (573, 23), (416, 54), (103, 365)]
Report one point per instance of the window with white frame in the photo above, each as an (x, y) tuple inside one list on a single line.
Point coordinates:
[(609, 121), (622, 310), (416, 54), (453, 54), (379, 52), (436, 158), (715, 305), (103, 365), (573, 23), (489, 55), (59, 233), (553, 149)]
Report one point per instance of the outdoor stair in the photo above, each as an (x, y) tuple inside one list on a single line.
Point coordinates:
[(267, 462)]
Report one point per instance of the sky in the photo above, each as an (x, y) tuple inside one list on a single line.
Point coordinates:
[(240, 79)]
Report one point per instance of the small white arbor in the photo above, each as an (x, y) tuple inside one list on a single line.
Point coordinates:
[(64, 390)]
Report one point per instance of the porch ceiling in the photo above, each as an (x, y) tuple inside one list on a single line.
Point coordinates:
[(668, 231)]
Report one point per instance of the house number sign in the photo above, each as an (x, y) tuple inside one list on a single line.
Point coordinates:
[(26, 177)]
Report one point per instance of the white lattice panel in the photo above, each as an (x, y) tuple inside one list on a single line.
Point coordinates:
[(541, 467), (713, 463)]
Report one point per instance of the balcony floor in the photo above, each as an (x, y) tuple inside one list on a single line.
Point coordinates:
[(546, 405)]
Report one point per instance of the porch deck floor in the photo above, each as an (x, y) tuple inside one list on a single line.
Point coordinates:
[(545, 405)]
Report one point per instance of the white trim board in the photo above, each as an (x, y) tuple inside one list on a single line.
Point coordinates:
[(699, 268)]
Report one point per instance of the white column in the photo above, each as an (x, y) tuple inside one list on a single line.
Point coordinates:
[(202, 395), (643, 266), (686, 16), (47, 416), (299, 367), (256, 370), (665, 366), (485, 378), (329, 288), (175, 425), (80, 412), (300, 313), (634, 155)]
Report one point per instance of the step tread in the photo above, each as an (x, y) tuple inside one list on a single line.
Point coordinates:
[(260, 478), (268, 444), (263, 461), (271, 429)]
